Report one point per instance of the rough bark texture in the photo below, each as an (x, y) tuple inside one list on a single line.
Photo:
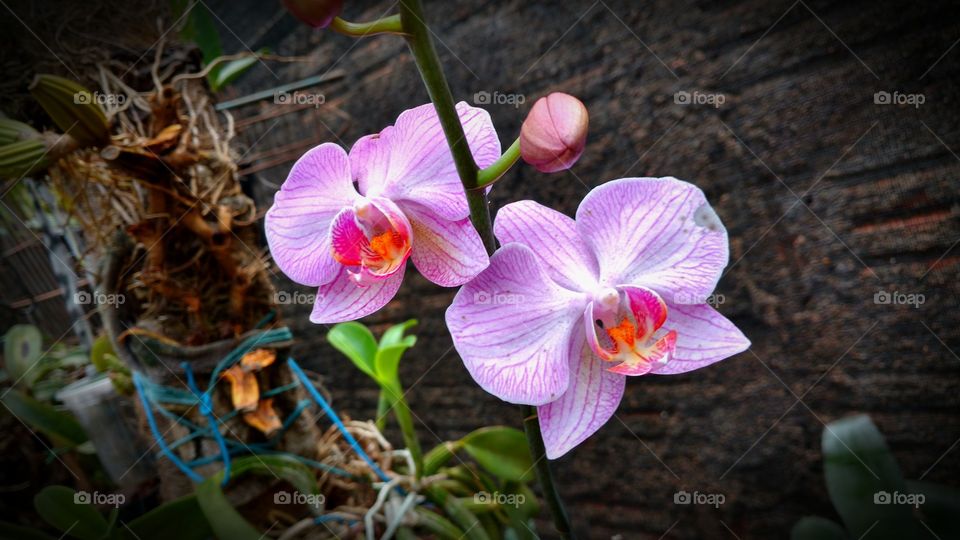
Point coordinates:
[(829, 198)]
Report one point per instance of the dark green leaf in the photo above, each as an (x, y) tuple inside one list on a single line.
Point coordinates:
[(65, 511), (12, 531), (181, 518), (225, 521), (58, 425), (940, 507), (862, 476), (817, 528), (356, 342), (501, 450)]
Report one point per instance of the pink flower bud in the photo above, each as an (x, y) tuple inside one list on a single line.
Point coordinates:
[(316, 13), (555, 132)]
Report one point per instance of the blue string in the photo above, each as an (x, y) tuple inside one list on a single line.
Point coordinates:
[(206, 409), (138, 382), (332, 517), (334, 418)]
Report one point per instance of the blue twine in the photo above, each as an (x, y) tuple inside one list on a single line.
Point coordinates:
[(138, 382), (206, 409), (334, 418)]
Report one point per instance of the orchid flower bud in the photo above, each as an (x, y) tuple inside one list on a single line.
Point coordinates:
[(316, 13), (555, 132)]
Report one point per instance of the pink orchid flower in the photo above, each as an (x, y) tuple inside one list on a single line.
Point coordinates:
[(568, 309), (348, 223)]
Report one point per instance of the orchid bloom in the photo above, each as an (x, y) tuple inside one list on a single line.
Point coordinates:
[(568, 309), (348, 223)]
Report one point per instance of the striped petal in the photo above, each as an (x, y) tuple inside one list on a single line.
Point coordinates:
[(410, 161), (592, 397), (448, 253), (512, 326), (658, 233), (298, 224), (554, 238), (704, 336), (343, 299)]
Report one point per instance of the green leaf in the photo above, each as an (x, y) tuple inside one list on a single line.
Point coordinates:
[(229, 71), (458, 512), (58, 425), (861, 474), (12, 530), (940, 507), (61, 508), (181, 518), (437, 524), (356, 342), (394, 334), (501, 450), (387, 362), (201, 29), (817, 528), (439, 456), (22, 348), (225, 521)]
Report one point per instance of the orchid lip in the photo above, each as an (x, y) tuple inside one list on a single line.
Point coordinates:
[(629, 336), (372, 239)]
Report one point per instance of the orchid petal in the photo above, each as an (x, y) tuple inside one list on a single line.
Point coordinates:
[(448, 253), (656, 356), (656, 232), (648, 310), (704, 336), (411, 160), (591, 399), (554, 238), (343, 299), (346, 238), (512, 325), (297, 225)]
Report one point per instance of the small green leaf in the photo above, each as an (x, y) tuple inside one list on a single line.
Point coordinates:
[(439, 456), (817, 528), (501, 450), (862, 475), (225, 521), (394, 334), (63, 509), (387, 362), (294, 472), (58, 425), (356, 342), (22, 348), (458, 512), (181, 518), (229, 71)]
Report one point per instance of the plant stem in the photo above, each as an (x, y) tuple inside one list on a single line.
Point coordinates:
[(386, 25), (383, 407), (405, 421), (499, 167), (425, 56)]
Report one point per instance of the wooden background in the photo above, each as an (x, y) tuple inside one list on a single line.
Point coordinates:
[(829, 198)]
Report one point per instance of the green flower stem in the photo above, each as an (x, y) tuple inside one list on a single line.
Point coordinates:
[(386, 25), (383, 408), (405, 420), (425, 56), (499, 167)]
